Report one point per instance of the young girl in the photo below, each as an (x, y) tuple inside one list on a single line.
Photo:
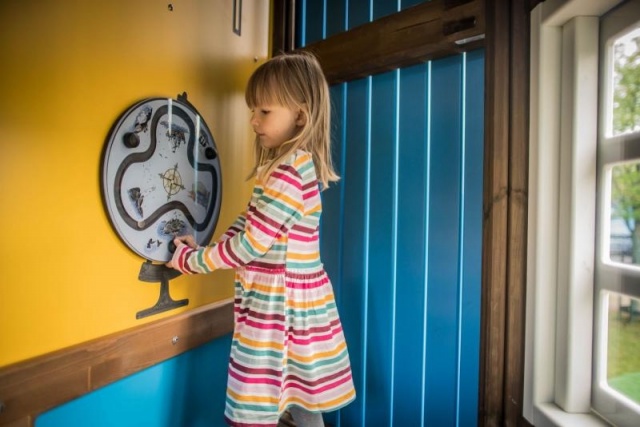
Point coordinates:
[(288, 349)]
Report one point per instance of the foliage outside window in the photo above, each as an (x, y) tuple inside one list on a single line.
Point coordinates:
[(626, 81), (622, 314)]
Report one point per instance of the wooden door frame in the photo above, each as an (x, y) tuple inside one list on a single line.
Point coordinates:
[(506, 29)]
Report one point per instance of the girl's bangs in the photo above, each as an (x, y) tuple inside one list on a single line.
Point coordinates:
[(266, 87)]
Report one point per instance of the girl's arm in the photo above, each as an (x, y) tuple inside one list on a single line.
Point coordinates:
[(279, 207), (237, 226)]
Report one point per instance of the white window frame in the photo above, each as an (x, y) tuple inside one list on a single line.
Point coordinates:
[(611, 276), (562, 212)]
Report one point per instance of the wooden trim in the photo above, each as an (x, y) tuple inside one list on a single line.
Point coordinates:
[(518, 207), (495, 217), (34, 386), (505, 213), (517, 228), (533, 3), (283, 30), (277, 25), (427, 31)]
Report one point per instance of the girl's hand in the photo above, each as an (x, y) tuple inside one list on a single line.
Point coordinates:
[(186, 240), (183, 240)]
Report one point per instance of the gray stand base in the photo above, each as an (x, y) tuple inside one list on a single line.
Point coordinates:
[(155, 273)]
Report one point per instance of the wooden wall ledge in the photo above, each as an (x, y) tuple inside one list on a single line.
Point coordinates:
[(420, 33), (34, 386)]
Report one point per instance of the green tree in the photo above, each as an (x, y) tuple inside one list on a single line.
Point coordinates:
[(626, 97), (625, 197)]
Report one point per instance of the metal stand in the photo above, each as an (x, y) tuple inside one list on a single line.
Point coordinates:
[(154, 273)]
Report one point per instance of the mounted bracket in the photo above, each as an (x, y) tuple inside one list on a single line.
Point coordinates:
[(155, 273)]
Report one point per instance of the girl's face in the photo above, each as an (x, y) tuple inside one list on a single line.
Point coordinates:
[(275, 124)]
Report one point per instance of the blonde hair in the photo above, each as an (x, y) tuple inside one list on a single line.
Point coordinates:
[(294, 81)]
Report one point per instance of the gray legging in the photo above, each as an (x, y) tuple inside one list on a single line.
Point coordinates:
[(304, 418)]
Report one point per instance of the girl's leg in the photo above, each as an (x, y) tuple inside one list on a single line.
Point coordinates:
[(304, 418)]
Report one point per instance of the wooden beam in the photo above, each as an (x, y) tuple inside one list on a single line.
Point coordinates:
[(427, 31), (32, 387), (517, 212), (495, 215)]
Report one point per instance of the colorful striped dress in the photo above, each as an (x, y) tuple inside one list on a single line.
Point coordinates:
[(288, 346)]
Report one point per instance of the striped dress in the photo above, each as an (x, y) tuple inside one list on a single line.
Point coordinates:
[(288, 346)]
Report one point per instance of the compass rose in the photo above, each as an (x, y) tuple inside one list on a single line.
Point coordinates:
[(172, 181)]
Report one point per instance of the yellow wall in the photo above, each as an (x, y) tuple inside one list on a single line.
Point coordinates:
[(68, 69)]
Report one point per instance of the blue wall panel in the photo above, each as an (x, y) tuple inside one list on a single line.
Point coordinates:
[(355, 239), (405, 4), (331, 227), (358, 13), (384, 8), (331, 221), (471, 272), (188, 391), (402, 231), (413, 166), (315, 23), (443, 242), (337, 11), (381, 273)]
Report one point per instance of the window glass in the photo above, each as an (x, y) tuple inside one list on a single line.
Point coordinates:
[(623, 345), (624, 239), (616, 379), (625, 114)]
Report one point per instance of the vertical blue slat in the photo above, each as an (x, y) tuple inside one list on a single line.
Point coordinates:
[(336, 16), (336, 12), (332, 198), (332, 204), (356, 211), (315, 21), (405, 4), (444, 225), (358, 13), (301, 18), (381, 307), (472, 241), (410, 294), (355, 235), (383, 8)]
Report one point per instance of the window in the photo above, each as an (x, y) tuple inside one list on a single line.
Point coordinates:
[(616, 379), (576, 227)]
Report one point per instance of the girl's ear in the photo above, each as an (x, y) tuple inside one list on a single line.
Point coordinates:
[(301, 118)]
